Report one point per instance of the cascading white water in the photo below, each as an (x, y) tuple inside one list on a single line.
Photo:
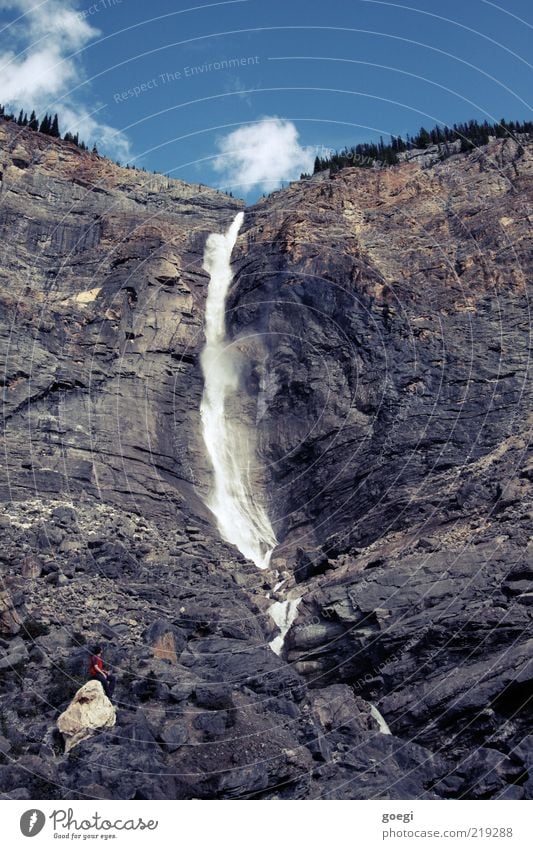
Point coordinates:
[(241, 520), (382, 725), (283, 613)]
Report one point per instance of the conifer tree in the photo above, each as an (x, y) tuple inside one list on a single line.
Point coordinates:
[(54, 128), (423, 138)]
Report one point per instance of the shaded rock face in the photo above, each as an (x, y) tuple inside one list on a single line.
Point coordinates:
[(389, 319), (388, 316), (101, 274), (380, 319), (90, 710)]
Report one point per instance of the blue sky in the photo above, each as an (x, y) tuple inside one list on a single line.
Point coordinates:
[(185, 87)]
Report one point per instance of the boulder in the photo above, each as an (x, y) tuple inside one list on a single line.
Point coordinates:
[(89, 711), (31, 567), (182, 690), (167, 641), (174, 736), (17, 655), (214, 697), (64, 516)]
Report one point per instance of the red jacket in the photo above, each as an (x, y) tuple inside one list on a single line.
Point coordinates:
[(97, 664)]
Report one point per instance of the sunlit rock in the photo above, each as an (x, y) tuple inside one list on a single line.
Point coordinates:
[(89, 711)]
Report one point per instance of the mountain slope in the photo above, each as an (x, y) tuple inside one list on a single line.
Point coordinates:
[(382, 320)]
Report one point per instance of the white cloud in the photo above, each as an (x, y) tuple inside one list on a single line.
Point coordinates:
[(262, 155), (38, 70)]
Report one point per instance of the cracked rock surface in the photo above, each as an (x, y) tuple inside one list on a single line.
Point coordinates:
[(381, 319)]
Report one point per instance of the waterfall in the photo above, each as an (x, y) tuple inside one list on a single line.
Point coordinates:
[(382, 725), (283, 613), (241, 519)]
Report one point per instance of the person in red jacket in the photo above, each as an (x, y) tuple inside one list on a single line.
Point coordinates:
[(99, 673)]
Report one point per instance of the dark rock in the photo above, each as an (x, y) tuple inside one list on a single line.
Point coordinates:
[(139, 733), (166, 640), (526, 599), (31, 567), (111, 632), (145, 689), (310, 564), (15, 657), (64, 516), (182, 690), (511, 792), (482, 775), (213, 696), (11, 612), (174, 736), (212, 724), (17, 793), (385, 385), (49, 536)]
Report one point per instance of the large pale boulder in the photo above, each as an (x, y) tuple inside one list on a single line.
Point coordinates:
[(89, 710)]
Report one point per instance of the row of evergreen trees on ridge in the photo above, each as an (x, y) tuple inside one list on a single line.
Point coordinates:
[(49, 125), (471, 135)]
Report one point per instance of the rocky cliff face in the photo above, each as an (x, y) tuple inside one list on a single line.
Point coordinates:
[(382, 317), (392, 323), (102, 281)]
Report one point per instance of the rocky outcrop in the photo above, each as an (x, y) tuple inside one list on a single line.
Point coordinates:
[(389, 322), (228, 714), (386, 321), (381, 318), (10, 616), (90, 710), (102, 277)]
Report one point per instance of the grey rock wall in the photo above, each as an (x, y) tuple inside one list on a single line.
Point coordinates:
[(383, 327)]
